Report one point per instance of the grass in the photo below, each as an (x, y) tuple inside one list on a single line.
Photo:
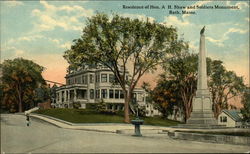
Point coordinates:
[(91, 116)]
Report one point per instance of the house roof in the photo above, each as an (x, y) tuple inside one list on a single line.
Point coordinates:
[(234, 114)]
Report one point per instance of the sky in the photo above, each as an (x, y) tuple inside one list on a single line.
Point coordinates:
[(42, 30)]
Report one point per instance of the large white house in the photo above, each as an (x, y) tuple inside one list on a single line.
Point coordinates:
[(91, 84), (230, 118)]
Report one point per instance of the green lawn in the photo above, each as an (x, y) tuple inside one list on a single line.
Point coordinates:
[(90, 116)]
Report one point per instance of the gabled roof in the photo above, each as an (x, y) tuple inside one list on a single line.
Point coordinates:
[(234, 114)]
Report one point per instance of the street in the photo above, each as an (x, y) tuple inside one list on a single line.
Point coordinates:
[(42, 137)]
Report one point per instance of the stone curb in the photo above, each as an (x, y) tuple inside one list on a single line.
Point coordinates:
[(211, 138)]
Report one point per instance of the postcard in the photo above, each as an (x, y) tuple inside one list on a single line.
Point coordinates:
[(110, 53)]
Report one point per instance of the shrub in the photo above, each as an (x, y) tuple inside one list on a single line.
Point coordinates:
[(142, 111), (91, 106), (101, 106), (109, 112), (76, 105)]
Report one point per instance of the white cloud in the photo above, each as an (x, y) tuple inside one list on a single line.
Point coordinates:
[(13, 3), (225, 36), (236, 30), (173, 20), (13, 51), (66, 45), (25, 38), (193, 47), (138, 16), (29, 38), (55, 41), (50, 18), (242, 5), (216, 42)]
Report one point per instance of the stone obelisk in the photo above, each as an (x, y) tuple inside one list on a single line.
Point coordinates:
[(202, 114)]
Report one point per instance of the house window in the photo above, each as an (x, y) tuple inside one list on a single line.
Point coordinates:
[(83, 81), (67, 95), (91, 78), (91, 94), (97, 78), (81, 93), (86, 79), (78, 80), (121, 94), (111, 93), (104, 93), (62, 96), (116, 94), (104, 77), (111, 78), (223, 119), (97, 93), (135, 96), (109, 107)]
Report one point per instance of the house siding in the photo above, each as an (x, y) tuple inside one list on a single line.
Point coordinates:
[(230, 122)]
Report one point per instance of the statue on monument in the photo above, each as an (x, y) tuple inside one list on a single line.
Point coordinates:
[(202, 30)]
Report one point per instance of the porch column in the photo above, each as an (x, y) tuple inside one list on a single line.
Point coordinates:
[(68, 96), (74, 94)]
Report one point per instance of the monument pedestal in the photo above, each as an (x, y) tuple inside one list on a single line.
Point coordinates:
[(202, 109), (202, 115)]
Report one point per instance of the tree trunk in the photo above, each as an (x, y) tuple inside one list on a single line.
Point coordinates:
[(20, 106), (126, 107)]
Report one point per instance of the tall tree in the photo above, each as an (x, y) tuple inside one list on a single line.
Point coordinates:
[(224, 85), (19, 80), (121, 43), (183, 70)]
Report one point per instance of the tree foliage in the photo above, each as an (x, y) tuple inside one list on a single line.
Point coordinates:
[(224, 85), (245, 111), (20, 79), (182, 70), (166, 96), (119, 43)]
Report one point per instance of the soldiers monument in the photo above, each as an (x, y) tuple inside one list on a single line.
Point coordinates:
[(202, 115)]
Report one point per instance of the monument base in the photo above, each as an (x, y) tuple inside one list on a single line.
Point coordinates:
[(200, 120), (202, 117)]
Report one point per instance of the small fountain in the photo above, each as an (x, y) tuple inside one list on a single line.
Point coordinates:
[(137, 121)]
